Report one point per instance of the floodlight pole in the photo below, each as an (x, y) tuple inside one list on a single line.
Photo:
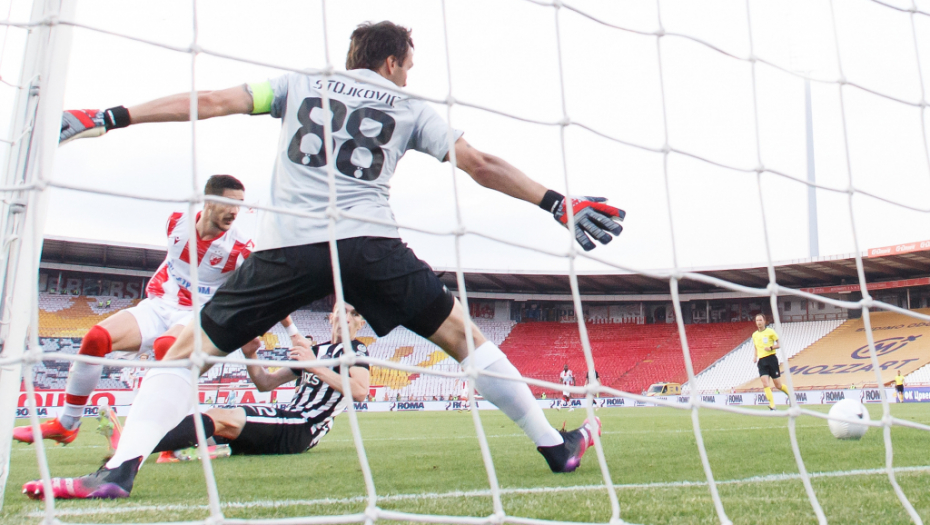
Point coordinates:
[(811, 175), (34, 131)]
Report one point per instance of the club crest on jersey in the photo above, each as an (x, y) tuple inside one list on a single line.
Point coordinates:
[(216, 259), (177, 240)]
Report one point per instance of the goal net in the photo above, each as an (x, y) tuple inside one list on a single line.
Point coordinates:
[(750, 156)]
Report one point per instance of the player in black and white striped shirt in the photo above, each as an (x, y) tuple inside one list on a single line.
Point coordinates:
[(319, 397)]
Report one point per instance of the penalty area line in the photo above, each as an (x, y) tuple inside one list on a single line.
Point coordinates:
[(467, 494)]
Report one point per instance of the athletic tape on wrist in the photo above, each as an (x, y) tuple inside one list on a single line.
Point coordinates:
[(292, 330), (116, 117), (551, 200)]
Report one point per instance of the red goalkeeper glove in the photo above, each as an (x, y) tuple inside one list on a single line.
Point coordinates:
[(78, 123), (592, 217)]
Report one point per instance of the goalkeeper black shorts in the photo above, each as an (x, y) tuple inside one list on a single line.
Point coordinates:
[(381, 278), (270, 431), (768, 366)]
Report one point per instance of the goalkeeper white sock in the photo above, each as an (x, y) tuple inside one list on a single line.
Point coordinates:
[(163, 401), (512, 397)]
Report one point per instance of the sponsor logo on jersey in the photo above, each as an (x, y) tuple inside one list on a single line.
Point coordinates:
[(177, 240)]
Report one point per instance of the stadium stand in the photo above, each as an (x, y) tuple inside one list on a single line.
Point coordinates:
[(841, 359), (67, 316), (628, 357), (736, 367)]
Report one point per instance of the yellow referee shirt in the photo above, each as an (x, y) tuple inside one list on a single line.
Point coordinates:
[(899, 379), (763, 341)]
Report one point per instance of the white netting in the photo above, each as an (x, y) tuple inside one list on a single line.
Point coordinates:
[(25, 183)]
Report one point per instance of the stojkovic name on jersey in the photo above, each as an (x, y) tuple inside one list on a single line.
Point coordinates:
[(339, 88)]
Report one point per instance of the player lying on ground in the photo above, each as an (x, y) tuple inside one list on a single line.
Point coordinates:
[(318, 399), (374, 124), (766, 343), (157, 320)]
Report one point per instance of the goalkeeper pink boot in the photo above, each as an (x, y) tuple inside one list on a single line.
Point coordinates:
[(567, 456), (103, 484)]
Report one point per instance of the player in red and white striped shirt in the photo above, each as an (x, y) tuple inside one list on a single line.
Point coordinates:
[(156, 321)]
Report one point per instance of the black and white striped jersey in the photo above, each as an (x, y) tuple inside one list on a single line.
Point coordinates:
[(313, 398)]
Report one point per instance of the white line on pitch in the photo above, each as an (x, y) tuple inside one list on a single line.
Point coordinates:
[(467, 494), (608, 432)]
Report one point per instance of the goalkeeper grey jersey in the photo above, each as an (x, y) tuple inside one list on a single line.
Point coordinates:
[(373, 125)]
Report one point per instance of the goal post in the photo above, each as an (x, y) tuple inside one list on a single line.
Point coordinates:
[(33, 138)]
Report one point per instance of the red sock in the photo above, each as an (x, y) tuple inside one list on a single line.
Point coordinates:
[(162, 345), (96, 343)]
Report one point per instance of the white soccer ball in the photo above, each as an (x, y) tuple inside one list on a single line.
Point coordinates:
[(849, 409)]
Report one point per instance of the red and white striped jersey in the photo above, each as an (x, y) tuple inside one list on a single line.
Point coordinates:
[(216, 260)]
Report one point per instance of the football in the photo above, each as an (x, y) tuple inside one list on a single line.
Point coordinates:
[(849, 409)]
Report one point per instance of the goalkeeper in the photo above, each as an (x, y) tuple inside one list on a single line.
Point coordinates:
[(373, 124)]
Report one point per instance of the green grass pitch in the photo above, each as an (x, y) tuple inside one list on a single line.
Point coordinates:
[(429, 462)]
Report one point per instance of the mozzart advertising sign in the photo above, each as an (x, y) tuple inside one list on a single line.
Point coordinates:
[(842, 358), (51, 403)]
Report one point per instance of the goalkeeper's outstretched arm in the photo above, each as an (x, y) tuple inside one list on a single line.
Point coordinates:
[(76, 124), (592, 216), (176, 108), (496, 173)]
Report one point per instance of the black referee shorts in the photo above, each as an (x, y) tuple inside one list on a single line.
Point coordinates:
[(768, 366), (381, 278), (270, 431), (899, 388)]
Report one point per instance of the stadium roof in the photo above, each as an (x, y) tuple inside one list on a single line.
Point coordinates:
[(76, 254)]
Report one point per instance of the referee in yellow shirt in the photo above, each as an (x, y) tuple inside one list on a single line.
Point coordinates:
[(899, 386), (766, 342)]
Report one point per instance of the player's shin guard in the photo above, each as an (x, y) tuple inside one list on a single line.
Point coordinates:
[(185, 434), (769, 396), (83, 377), (162, 402), (512, 397)]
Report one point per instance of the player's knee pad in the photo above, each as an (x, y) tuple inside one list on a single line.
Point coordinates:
[(162, 345), (97, 342)]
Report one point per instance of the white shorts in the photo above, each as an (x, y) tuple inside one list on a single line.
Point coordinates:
[(155, 317)]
